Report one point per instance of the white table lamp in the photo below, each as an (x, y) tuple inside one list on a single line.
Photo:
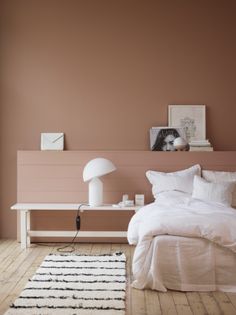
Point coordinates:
[(92, 171)]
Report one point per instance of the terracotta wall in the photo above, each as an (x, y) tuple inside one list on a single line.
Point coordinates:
[(104, 72)]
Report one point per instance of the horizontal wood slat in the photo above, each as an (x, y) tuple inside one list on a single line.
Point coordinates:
[(74, 197), (67, 184)]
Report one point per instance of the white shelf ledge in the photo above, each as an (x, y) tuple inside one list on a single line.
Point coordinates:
[(67, 206)]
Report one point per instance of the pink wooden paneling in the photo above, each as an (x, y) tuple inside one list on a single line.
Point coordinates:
[(66, 184), (47, 176)]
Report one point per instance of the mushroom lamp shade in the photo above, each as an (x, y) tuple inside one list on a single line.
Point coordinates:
[(92, 171)]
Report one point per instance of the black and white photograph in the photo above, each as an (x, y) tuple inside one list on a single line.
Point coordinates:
[(162, 138)]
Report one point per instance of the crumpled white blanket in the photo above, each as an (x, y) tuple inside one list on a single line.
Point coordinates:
[(176, 213)]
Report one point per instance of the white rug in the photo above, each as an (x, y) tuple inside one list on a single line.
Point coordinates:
[(75, 284)]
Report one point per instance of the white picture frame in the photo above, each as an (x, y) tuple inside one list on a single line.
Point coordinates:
[(160, 137), (190, 117)]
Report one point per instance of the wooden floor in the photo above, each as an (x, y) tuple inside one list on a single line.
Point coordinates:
[(17, 266)]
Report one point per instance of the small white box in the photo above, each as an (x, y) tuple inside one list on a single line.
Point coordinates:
[(125, 197), (139, 200), (129, 203)]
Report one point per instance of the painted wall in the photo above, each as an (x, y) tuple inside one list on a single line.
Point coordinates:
[(104, 72)]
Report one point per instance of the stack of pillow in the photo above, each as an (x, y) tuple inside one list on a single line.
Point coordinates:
[(213, 186)]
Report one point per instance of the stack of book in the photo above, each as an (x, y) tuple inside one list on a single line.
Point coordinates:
[(200, 145)]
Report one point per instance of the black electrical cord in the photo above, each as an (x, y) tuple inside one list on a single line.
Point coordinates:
[(71, 245)]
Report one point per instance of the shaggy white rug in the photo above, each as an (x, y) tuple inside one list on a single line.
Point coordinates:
[(75, 284)]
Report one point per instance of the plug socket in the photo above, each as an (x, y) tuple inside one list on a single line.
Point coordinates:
[(78, 222)]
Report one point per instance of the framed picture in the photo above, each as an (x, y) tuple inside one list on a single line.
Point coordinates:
[(190, 117), (162, 138)]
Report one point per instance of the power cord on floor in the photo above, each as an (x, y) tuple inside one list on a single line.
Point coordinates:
[(70, 247)]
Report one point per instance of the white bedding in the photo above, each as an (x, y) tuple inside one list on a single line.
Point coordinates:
[(177, 221)]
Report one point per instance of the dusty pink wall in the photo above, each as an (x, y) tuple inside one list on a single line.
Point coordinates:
[(104, 71)]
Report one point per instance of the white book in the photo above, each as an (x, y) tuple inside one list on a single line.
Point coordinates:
[(161, 127), (200, 145), (200, 142), (201, 148)]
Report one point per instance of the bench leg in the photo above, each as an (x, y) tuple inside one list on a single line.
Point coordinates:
[(23, 227), (28, 228)]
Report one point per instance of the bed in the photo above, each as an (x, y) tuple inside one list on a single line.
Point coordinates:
[(183, 241), (56, 177)]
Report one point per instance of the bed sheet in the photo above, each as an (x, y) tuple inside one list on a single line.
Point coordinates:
[(189, 264)]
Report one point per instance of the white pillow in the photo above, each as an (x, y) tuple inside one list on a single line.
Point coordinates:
[(219, 176), (214, 192), (180, 181)]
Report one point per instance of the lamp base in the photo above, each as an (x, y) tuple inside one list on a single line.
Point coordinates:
[(95, 192)]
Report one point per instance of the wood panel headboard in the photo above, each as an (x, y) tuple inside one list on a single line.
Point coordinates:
[(56, 176)]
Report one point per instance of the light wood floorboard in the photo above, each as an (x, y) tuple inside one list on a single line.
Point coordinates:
[(17, 266)]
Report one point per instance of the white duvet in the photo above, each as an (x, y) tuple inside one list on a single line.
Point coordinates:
[(178, 214)]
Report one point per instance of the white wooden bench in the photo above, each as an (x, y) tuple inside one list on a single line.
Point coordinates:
[(26, 208)]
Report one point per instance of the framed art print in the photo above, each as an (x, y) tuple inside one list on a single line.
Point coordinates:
[(162, 138), (192, 118)]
